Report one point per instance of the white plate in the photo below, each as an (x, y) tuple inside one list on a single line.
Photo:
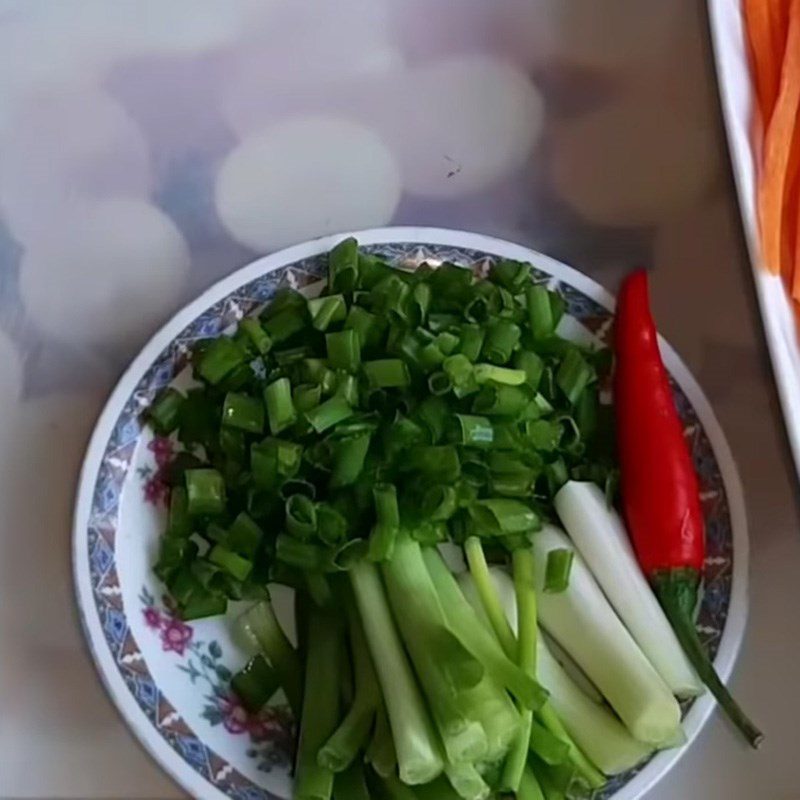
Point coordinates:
[(169, 680), (738, 97)]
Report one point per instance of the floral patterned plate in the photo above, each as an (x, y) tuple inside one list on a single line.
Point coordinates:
[(169, 679)]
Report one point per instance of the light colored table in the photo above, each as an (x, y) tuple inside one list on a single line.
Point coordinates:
[(432, 114)]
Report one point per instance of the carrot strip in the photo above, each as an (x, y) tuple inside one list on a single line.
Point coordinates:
[(789, 227), (779, 25), (789, 244), (778, 147), (763, 53)]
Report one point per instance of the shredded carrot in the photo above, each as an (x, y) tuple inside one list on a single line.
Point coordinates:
[(778, 11), (778, 148), (764, 53), (789, 227)]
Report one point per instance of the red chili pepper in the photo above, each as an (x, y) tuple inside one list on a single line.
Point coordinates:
[(660, 493)]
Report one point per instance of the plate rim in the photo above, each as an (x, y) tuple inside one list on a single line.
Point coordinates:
[(147, 735)]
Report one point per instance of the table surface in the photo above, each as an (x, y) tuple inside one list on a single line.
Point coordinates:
[(148, 149)]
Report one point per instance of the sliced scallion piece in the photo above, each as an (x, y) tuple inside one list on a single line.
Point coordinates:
[(205, 492), (164, 414), (255, 683), (280, 409), (386, 373), (344, 350), (244, 412), (557, 570)]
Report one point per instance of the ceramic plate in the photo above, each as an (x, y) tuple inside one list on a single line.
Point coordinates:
[(777, 315), (169, 679)]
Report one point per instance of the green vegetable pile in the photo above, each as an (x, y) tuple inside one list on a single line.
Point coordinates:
[(330, 445)]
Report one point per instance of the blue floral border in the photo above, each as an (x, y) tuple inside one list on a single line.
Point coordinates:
[(116, 461)]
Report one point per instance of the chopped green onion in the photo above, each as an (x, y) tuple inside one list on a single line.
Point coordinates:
[(381, 542), (471, 344), (438, 322), (306, 396), (502, 337), (517, 485), (233, 445), (485, 373), (350, 553), (439, 383), (542, 434), (329, 413), (174, 552), (343, 264), (280, 410), (274, 460), (573, 375), (344, 350), (205, 490), (303, 555), (221, 357), (179, 522), (439, 503), (447, 342), (391, 296), (502, 515), (461, 373), (199, 420), (313, 370), (386, 373), (430, 357), (471, 430), (430, 533), (255, 683), (511, 275), (325, 310), (438, 462), (475, 471), (285, 324), (291, 355), (532, 365), (433, 412), (244, 412), (331, 525), (557, 475), (285, 299), (541, 319), (203, 605), (371, 271), (484, 303), (384, 534), (347, 387), (419, 303), (368, 326), (235, 565), (557, 571), (348, 459), (256, 335), (386, 510), (301, 516), (261, 626), (244, 536), (500, 400), (165, 412)]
